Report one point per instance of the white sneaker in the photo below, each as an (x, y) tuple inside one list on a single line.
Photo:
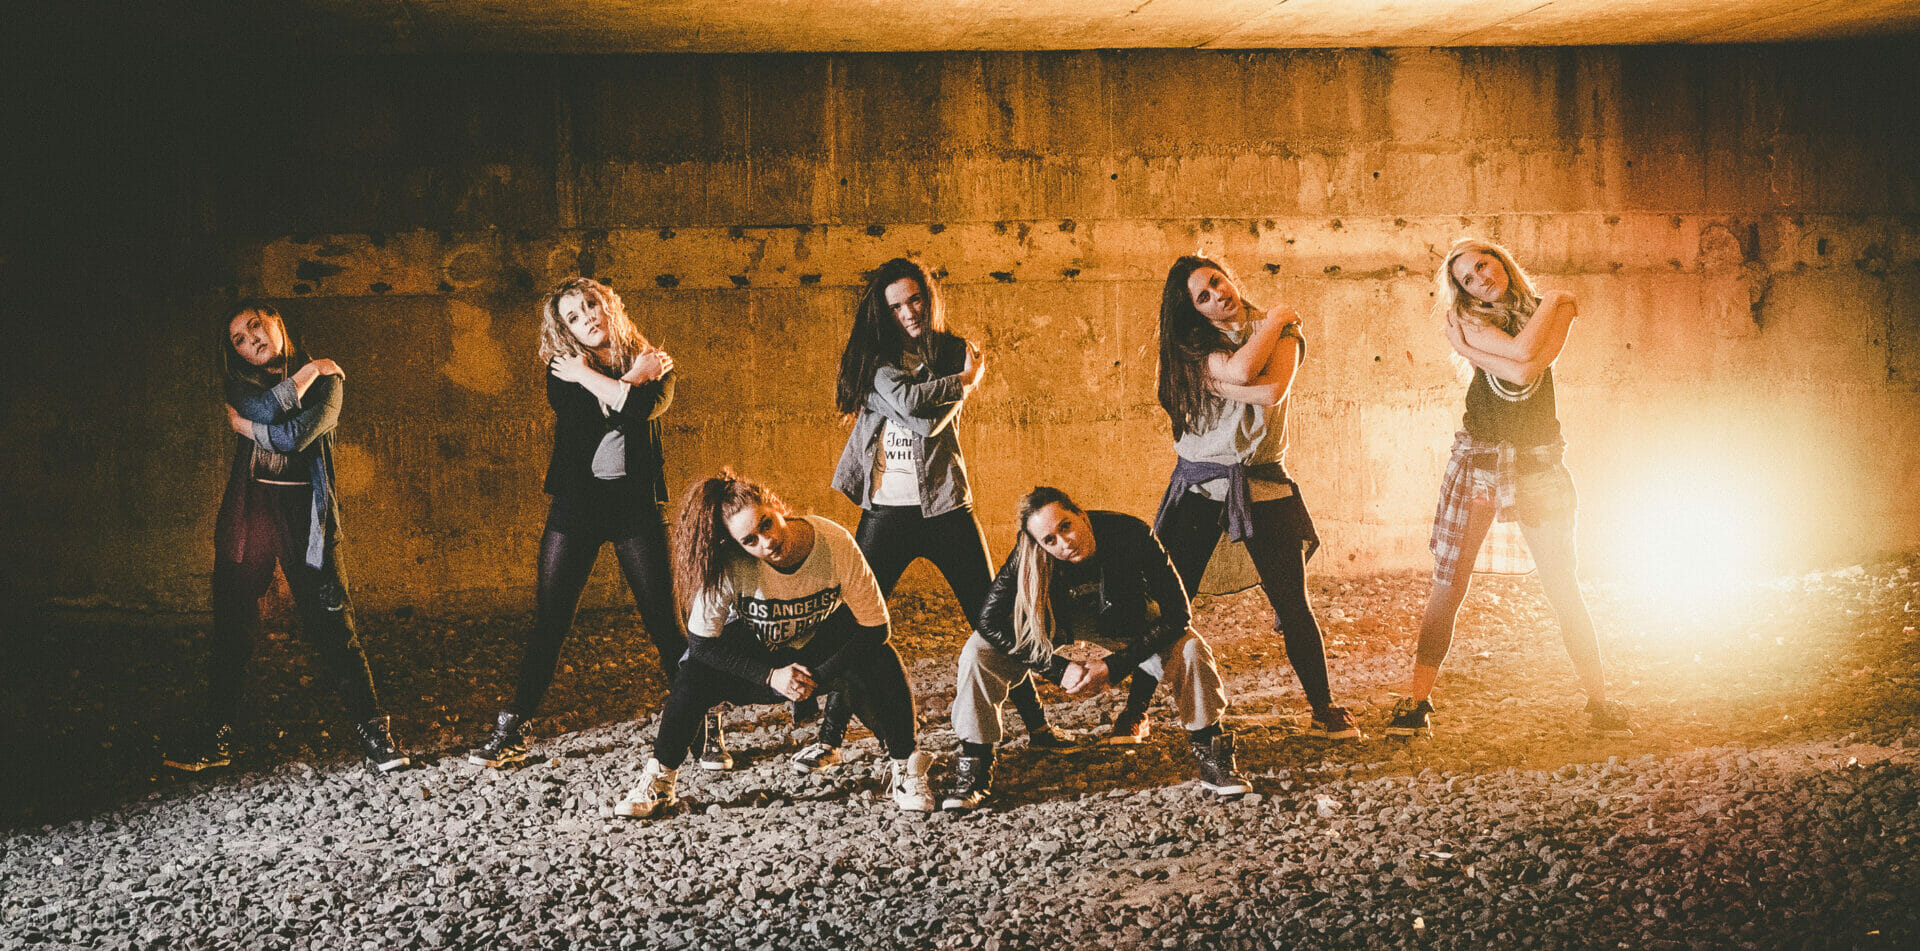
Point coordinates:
[(911, 789), (816, 757), (652, 796)]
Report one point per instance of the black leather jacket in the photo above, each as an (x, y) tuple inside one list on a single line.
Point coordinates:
[(1135, 572)]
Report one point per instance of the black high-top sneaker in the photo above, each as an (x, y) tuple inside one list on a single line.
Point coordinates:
[(1217, 774), (376, 738), (713, 746), (208, 750), (972, 783), (506, 746)]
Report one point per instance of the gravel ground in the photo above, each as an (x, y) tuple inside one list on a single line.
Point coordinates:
[(1770, 799)]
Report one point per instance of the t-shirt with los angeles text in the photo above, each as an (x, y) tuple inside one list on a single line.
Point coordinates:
[(785, 609)]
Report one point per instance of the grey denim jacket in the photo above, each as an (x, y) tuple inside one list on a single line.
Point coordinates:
[(927, 403)]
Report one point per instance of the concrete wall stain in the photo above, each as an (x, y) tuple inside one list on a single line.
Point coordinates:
[(1742, 226)]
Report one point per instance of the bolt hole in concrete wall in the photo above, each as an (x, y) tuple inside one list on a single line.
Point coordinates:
[(1738, 222)]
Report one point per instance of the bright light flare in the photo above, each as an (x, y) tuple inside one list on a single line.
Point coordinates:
[(1692, 533)]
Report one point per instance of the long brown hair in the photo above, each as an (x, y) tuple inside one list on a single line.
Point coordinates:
[(700, 537), (624, 340), (876, 337), (1186, 340), (236, 369)]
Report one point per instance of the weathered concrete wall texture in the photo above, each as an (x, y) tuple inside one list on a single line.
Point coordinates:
[(1742, 226)]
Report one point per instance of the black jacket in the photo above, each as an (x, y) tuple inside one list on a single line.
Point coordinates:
[(1134, 571), (578, 427)]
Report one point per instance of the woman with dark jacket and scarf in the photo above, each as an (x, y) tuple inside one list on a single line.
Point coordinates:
[(1226, 372), (903, 380), (1103, 579), (281, 506), (608, 388)]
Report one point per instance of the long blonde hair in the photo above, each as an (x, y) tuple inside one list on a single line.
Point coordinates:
[(624, 340), (1033, 591), (1508, 314)]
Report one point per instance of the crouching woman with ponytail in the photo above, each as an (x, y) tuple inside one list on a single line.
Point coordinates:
[(778, 607)]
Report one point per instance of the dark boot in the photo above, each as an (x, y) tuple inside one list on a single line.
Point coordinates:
[(211, 748), (972, 783), (506, 746), (1217, 773), (376, 739)]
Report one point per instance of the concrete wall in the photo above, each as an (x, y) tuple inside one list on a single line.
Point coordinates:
[(1742, 226)]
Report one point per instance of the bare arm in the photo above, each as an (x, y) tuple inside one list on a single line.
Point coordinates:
[(1540, 340), (1512, 371), (1249, 363), (1274, 381)]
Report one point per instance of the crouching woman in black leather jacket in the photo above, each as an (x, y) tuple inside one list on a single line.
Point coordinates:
[(1099, 577)]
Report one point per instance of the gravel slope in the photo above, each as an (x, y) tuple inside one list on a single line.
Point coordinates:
[(1770, 800)]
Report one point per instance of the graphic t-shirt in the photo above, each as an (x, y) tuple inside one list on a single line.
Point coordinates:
[(1076, 599), (896, 477), (784, 609)]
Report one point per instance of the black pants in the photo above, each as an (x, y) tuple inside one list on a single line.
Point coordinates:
[(893, 537), (1193, 530), (873, 683), (575, 531), (276, 529)]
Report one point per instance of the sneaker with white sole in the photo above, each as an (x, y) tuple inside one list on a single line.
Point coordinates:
[(1411, 718), (505, 746), (1334, 723), (815, 758), (972, 783), (376, 740), (910, 787), (1218, 773), (653, 796), (713, 749)]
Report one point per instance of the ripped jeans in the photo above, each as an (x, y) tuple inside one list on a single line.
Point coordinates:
[(277, 522)]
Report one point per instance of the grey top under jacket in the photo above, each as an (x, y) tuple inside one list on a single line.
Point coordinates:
[(927, 403)]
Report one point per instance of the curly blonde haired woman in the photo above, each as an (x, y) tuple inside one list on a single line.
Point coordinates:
[(608, 388)]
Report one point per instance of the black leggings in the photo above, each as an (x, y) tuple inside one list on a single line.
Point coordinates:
[(1192, 531), (892, 537), (275, 530), (566, 560), (872, 682)]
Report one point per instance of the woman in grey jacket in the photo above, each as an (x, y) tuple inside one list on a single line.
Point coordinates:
[(903, 381)]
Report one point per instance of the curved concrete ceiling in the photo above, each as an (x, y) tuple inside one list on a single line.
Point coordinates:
[(759, 26)]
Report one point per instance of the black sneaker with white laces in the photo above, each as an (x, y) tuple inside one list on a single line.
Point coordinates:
[(1411, 718), (1218, 774), (210, 749), (713, 749), (376, 739), (816, 757), (506, 746), (972, 783)]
